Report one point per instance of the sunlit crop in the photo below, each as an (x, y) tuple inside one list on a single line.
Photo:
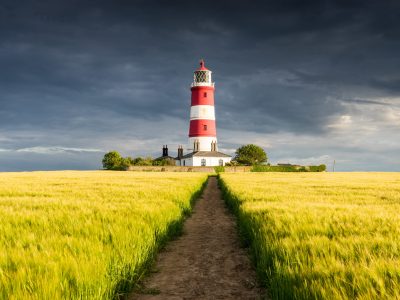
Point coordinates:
[(321, 235), (86, 235)]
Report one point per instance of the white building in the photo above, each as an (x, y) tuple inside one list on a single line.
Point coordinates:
[(203, 159)]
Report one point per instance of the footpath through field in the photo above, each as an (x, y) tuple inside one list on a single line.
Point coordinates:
[(206, 262)]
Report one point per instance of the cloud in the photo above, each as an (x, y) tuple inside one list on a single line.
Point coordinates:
[(51, 150), (369, 102), (115, 75), (342, 122), (56, 150)]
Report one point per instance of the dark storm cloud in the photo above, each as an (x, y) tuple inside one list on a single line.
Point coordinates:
[(83, 72), (368, 102)]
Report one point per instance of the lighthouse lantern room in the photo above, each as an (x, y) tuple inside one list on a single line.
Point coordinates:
[(202, 129)]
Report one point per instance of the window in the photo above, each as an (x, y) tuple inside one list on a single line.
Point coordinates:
[(203, 162), (205, 127), (205, 94), (201, 76), (221, 162)]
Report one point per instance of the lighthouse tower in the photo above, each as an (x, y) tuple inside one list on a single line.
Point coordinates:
[(202, 129)]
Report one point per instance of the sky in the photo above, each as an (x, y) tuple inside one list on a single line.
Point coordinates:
[(312, 82)]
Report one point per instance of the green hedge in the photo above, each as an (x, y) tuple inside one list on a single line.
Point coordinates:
[(266, 168)]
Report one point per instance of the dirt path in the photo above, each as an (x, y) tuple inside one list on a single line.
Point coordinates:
[(206, 262)]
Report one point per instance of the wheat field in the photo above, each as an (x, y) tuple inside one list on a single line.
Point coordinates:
[(321, 235), (86, 235)]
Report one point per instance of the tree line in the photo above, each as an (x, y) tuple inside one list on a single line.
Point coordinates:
[(114, 161), (247, 155)]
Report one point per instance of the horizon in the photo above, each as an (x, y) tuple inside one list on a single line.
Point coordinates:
[(310, 82)]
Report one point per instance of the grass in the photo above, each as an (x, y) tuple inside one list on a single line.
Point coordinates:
[(321, 235), (86, 235)]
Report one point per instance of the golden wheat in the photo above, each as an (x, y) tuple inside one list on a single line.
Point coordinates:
[(321, 235), (85, 235)]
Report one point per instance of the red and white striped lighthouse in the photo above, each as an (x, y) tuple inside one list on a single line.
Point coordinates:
[(202, 130)]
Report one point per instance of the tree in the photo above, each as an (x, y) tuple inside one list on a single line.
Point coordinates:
[(112, 160), (164, 162), (127, 162), (250, 155), (143, 161)]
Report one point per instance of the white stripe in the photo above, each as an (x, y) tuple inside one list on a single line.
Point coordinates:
[(203, 112)]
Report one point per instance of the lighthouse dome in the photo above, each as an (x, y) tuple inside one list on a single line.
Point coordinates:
[(202, 66)]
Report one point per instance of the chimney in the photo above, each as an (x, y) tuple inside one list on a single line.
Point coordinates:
[(196, 144), (180, 152), (165, 151)]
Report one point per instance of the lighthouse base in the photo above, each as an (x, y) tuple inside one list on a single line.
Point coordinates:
[(204, 159)]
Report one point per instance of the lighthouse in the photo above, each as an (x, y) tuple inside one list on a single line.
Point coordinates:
[(203, 145), (202, 129)]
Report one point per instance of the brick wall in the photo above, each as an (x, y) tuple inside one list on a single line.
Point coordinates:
[(185, 169)]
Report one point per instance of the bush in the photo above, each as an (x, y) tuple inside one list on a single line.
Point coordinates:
[(219, 169), (126, 162), (320, 168), (143, 161), (164, 162), (268, 168), (232, 163), (261, 168)]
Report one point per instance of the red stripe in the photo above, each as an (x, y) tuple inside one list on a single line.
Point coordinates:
[(202, 95), (202, 128)]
